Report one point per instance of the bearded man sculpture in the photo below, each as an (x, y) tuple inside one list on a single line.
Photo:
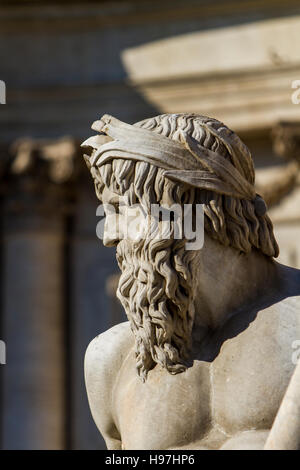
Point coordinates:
[(206, 357)]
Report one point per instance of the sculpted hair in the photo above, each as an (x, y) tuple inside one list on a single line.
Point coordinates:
[(229, 220)]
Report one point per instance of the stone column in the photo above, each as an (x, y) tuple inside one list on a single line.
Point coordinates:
[(34, 381)]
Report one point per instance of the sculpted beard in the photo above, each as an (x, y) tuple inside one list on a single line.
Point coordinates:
[(154, 291)]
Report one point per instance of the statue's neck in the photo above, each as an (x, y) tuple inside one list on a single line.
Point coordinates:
[(229, 281)]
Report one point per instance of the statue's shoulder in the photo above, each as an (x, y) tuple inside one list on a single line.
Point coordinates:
[(285, 298), (109, 348), (106, 353), (103, 360), (291, 302), (290, 306), (281, 321)]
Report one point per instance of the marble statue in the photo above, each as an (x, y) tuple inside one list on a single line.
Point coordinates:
[(206, 358)]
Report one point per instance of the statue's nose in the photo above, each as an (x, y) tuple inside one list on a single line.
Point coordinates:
[(111, 235)]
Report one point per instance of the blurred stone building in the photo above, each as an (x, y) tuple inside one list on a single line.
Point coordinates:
[(65, 64)]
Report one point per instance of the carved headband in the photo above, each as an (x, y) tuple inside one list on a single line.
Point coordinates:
[(181, 161)]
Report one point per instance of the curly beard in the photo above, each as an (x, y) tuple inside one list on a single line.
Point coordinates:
[(154, 289)]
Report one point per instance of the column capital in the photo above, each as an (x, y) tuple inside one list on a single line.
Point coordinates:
[(286, 140), (286, 145), (39, 175)]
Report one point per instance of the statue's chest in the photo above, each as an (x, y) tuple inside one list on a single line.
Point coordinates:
[(167, 410), (239, 389), (252, 371)]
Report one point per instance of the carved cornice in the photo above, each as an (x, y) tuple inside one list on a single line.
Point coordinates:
[(248, 101), (241, 75)]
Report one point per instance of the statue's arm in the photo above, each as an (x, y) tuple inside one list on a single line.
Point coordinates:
[(103, 359), (285, 432)]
